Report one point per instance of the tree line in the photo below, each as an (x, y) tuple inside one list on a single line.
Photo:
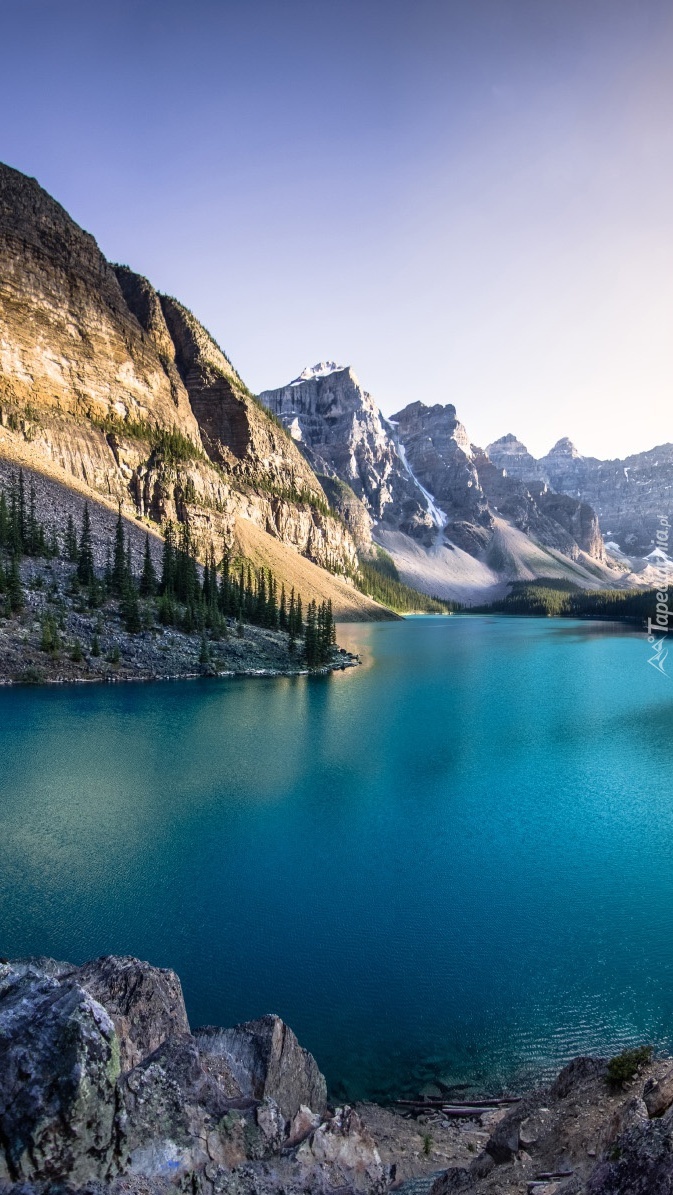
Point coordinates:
[(197, 599)]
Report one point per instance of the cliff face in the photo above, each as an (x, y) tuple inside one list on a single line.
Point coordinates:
[(95, 366), (472, 490), (343, 434), (438, 451), (628, 495), (67, 337), (420, 478), (105, 1088)]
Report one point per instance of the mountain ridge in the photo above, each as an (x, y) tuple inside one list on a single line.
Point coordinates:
[(431, 494), (123, 389)]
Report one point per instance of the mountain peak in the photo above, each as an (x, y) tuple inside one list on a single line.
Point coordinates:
[(321, 370), (510, 444), (564, 447)]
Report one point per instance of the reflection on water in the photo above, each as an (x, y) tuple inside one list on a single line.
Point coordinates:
[(454, 861)]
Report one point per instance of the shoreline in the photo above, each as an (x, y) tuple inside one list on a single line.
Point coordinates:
[(119, 1094), (229, 674)]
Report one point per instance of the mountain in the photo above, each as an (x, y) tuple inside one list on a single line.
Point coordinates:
[(454, 522), (109, 386), (343, 435), (629, 495)]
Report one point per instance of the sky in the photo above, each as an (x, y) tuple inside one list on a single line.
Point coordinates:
[(468, 201)]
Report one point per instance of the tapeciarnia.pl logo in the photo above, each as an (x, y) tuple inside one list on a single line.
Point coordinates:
[(657, 628)]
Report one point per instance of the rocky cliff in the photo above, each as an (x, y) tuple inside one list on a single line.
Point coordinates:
[(104, 1087), (471, 489), (106, 382), (629, 495), (455, 522), (343, 434)]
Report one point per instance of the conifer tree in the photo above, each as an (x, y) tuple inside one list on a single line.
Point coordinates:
[(85, 566), (148, 580), (23, 519), (33, 529), (311, 640), (70, 541), (129, 608), (14, 586)]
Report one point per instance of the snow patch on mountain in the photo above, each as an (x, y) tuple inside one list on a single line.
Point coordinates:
[(321, 370), (438, 517)]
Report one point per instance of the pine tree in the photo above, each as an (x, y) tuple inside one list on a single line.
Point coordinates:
[(4, 522), (70, 543), (14, 586), (129, 608), (167, 585), (282, 610), (311, 641), (85, 567), (33, 529), (148, 580), (23, 520)]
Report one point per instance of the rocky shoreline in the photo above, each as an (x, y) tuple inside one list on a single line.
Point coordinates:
[(104, 1088), (94, 646)]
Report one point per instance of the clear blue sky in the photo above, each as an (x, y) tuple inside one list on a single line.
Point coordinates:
[(470, 201)]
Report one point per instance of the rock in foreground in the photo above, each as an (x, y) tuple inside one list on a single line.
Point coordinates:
[(104, 1087), (104, 1090)]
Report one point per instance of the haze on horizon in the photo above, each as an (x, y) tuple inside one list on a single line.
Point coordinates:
[(467, 202)]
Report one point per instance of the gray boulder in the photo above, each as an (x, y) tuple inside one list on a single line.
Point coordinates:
[(640, 1162), (59, 1064), (658, 1093), (145, 1003), (266, 1060)]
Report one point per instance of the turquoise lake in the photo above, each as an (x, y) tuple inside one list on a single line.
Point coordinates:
[(453, 862)]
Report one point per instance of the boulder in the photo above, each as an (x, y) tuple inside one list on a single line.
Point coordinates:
[(145, 1003), (576, 1075), (341, 1153), (59, 1063), (658, 1093), (503, 1144), (640, 1162), (162, 1127), (266, 1060), (302, 1125)]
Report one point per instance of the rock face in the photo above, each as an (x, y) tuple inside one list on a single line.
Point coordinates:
[(104, 1089), (343, 434), (471, 489), (101, 1082), (266, 1060), (418, 472), (95, 365), (628, 495), (145, 1003), (59, 1064)]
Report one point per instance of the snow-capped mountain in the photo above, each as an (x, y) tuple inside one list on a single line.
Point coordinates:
[(419, 478)]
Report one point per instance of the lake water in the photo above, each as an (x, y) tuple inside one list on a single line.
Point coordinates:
[(453, 862)]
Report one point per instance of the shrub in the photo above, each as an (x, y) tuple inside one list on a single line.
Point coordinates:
[(625, 1066)]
